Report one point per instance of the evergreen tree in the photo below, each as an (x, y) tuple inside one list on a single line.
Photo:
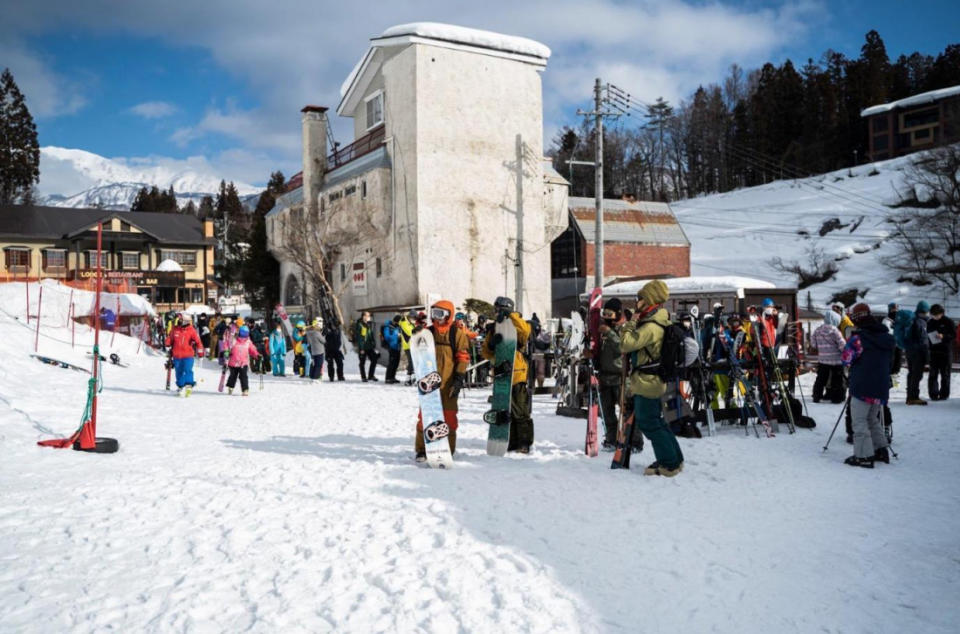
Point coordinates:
[(19, 149), (146, 200), (206, 210), (189, 209), (260, 271)]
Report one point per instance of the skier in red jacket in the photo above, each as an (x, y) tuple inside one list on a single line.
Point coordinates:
[(185, 344)]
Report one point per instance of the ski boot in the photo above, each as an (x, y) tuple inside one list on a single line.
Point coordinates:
[(229, 391), (421, 456), (246, 393), (882, 455), (853, 461), (187, 391)]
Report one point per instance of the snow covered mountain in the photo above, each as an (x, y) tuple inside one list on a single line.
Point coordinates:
[(76, 178), (842, 213)]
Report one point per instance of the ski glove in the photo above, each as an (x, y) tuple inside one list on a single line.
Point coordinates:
[(457, 385), (496, 339)]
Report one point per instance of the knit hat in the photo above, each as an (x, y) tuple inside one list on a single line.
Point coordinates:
[(613, 303), (244, 332), (923, 306), (831, 318), (654, 292), (859, 312), (936, 309), (767, 302)]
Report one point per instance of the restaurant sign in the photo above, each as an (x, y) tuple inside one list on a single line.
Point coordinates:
[(140, 278)]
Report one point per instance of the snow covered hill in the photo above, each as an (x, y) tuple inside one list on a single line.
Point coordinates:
[(300, 509), (740, 231), (76, 178)]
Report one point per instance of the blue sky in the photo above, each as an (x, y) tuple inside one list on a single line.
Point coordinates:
[(224, 80)]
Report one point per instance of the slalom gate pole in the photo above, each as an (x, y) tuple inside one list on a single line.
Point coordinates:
[(88, 435), (36, 338), (837, 424)]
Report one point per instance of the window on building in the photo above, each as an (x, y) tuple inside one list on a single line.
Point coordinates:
[(374, 109), (919, 118), (881, 123), (186, 259), (54, 260), (334, 196), (92, 259), (363, 189), (130, 260), (17, 259), (350, 190), (379, 267), (125, 226), (196, 295), (922, 134), (292, 294), (343, 272)]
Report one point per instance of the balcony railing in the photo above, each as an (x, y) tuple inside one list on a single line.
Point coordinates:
[(363, 145)]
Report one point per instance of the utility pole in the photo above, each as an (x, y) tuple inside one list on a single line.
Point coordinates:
[(598, 113), (518, 261)]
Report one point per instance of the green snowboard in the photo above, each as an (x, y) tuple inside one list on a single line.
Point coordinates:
[(499, 417)]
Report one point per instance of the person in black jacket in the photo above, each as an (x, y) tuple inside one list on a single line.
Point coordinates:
[(941, 328), (334, 347), (918, 353), (868, 354)]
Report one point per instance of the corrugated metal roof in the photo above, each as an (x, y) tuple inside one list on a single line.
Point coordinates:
[(640, 222)]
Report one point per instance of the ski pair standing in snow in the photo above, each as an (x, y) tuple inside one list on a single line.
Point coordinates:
[(451, 356), (239, 360), (868, 354), (185, 344), (521, 423), (642, 338)]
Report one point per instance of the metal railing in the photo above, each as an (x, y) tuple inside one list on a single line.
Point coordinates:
[(363, 145)]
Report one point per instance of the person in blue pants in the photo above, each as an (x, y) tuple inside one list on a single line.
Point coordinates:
[(278, 351)]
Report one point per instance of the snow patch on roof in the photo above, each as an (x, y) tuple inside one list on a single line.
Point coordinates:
[(915, 100), (169, 265), (472, 37), (694, 284)]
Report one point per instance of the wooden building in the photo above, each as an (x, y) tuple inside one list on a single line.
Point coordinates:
[(916, 123)]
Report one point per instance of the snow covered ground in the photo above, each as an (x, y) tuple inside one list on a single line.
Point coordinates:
[(737, 233), (300, 509)]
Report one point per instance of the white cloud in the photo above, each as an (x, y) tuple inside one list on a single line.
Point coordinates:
[(154, 109), (47, 93)]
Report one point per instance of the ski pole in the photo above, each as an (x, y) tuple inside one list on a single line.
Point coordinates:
[(837, 424)]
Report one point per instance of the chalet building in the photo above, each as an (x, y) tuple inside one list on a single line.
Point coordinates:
[(61, 243), (916, 123), (641, 239), (443, 193)]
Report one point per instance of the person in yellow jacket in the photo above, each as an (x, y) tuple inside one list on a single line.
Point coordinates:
[(521, 423), (642, 338), (406, 331)]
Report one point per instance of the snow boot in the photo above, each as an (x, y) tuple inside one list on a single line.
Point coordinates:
[(421, 456), (853, 461), (882, 455), (188, 391), (246, 393), (916, 401), (229, 390)]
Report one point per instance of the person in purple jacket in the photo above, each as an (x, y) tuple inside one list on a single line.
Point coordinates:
[(828, 340)]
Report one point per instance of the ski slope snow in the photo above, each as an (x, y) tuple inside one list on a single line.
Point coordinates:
[(739, 232), (300, 509)]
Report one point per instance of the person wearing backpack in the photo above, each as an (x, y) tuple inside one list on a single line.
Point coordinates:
[(941, 330), (917, 347), (643, 338)]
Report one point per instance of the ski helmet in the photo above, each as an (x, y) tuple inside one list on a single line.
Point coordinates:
[(301, 324), (244, 332), (859, 313), (503, 304)]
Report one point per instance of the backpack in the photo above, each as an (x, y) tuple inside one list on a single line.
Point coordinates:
[(678, 351), (902, 327)]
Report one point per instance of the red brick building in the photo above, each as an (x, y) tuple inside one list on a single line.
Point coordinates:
[(641, 239)]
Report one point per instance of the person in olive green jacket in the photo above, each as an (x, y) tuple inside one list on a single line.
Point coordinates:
[(643, 338), (521, 423)]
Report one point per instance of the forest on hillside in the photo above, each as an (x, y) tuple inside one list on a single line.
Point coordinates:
[(751, 127)]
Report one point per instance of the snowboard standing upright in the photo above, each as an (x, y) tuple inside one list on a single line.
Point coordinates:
[(498, 438), (435, 428), (592, 444), (169, 366)]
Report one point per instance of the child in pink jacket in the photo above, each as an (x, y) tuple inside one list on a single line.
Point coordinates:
[(239, 360)]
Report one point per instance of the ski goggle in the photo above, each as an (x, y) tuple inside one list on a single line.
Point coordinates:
[(439, 314)]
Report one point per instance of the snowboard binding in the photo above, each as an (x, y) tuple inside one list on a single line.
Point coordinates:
[(436, 431), (429, 383), (496, 417), (502, 369)]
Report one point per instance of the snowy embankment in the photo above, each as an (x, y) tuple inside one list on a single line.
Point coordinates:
[(300, 509), (739, 232)]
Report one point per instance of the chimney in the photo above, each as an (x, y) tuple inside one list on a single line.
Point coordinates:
[(314, 120)]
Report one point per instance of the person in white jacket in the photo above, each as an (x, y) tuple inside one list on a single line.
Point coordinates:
[(828, 340)]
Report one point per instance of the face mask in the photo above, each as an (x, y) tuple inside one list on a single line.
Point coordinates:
[(686, 324), (768, 311)]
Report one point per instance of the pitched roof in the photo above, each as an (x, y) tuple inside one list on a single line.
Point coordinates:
[(913, 100), (639, 222), (56, 223)]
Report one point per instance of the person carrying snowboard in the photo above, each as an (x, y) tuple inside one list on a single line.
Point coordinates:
[(452, 350), (240, 354), (868, 354), (278, 351), (521, 423), (185, 344), (642, 338)]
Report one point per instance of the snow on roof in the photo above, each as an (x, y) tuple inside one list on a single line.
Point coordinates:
[(915, 100), (169, 265), (695, 284), (471, 37)]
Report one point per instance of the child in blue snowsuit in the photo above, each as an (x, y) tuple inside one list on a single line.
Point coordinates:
[(278, 351)]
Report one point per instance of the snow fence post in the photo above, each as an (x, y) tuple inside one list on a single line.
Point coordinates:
[(36, 338)]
